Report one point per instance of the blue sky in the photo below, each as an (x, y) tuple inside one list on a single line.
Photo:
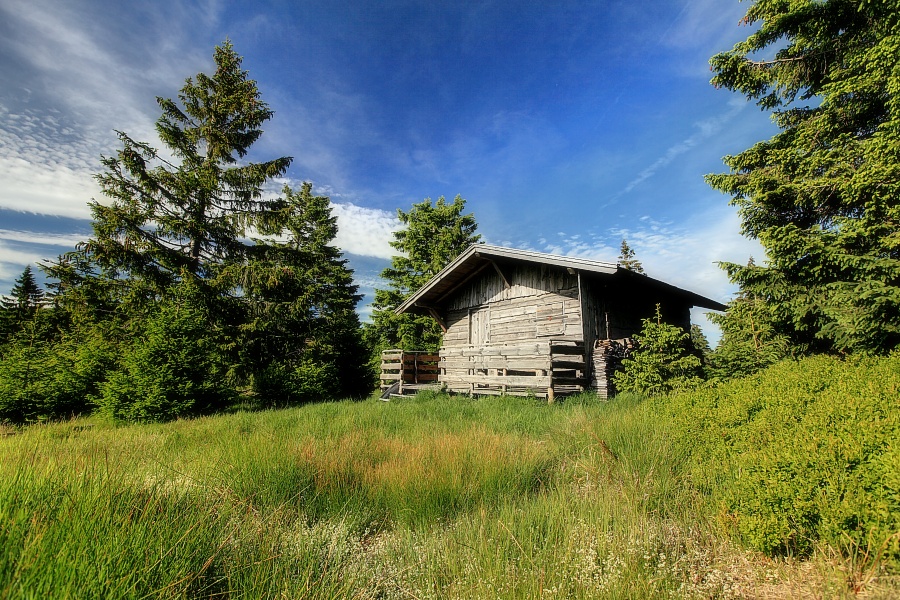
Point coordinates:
[(565, 125)]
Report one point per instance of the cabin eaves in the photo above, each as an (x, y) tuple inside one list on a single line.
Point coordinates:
[(480, 257)]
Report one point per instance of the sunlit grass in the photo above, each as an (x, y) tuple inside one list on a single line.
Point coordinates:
[(427, 497)]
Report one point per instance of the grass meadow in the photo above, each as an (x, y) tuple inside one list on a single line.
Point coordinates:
[(425, 497)]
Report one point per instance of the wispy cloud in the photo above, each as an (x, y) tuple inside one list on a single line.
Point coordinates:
[(705, 24), (14, 258), (683, 255), (42, 238), (68, 90), (44, 165), (705, 129)]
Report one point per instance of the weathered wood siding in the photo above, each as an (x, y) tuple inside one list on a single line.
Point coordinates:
[(540, 302), (498, 336)]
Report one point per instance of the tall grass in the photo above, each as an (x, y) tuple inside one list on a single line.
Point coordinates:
[(426, 497)]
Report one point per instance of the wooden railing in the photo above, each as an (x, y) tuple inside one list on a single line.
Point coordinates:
[(543, 368), (408, 369)]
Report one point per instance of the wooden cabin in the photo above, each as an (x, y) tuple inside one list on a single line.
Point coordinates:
[(522, 322)]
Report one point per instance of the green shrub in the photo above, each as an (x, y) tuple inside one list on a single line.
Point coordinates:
[(662, 361), (172, 369), (801, 454), (281, 384), (50, 379)]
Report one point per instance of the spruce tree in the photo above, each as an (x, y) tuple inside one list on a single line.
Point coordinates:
[(823, 194), (303, 339), (663, 360), (433, 235), (24, 299), (750, 339), (186, 216), (627, 259)]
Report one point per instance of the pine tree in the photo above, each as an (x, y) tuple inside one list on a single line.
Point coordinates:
[(434, 234), (750, 339), (823, 194), (26, 295), (627, 259), (21, 305), (303, 340), (186, 217), (177, 220), (699, 342)]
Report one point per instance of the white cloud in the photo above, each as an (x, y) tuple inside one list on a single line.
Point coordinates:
[(71, 89), (707, 26), (686, 255), (14, 259), (365, 231)]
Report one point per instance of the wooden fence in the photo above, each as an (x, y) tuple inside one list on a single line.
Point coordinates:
[(409, 371), (543, 368)]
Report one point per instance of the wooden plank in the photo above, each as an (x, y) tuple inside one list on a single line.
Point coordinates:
[(410, 358), (512, 380), (514, 363), (514, 326), (534, 349), (520, 336), (567, 350), (568, 364), (569, 380)]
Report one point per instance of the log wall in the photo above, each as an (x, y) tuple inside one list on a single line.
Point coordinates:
[(540, 303), (533, 330), (498, 337)]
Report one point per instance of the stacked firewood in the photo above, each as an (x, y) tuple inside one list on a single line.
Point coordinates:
[(607, 358)]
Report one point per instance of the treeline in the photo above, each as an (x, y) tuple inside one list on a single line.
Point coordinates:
[(194, 289)]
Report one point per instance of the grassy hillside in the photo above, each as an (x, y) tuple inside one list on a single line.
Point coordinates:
[(438, 497)]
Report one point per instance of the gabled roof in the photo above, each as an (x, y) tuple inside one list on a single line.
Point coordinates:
[(482, 256)]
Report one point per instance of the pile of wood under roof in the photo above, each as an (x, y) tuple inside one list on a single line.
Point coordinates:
[(607, 358)]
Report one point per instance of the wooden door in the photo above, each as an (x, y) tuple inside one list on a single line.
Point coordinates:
[(480, 326)]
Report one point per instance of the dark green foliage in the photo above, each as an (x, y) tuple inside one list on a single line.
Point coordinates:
[(297, 381), (302, 341), (50, 377), (699, 342), (26, 294), (433, 235), (171, 369), (662, 361), (801, 454), (24, 300), (170, 220), (193, 309), (749, 340), (627, 259), (823, 195)]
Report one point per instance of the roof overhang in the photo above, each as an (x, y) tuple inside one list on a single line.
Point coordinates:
[(480, 257)]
